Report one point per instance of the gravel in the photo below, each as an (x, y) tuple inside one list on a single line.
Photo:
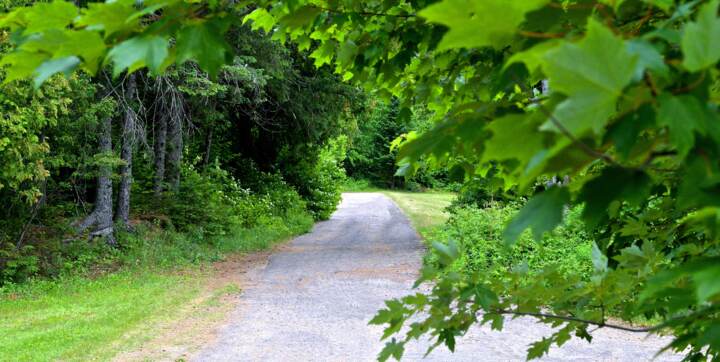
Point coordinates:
[(313, 299)]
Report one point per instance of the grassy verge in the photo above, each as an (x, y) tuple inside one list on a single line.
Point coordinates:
[(79, 317), (426, 210)]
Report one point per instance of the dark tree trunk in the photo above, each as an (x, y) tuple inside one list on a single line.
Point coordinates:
[(160, 141), (102, 215), (175, 153), (208, 146), (170, 113), (122, 214)]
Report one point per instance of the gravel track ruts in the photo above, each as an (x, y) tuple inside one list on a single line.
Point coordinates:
[(313, 299)]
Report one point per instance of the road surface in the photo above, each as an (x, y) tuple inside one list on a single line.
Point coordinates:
[(313, 299)]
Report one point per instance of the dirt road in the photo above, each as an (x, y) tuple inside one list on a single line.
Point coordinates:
[(313, 299)]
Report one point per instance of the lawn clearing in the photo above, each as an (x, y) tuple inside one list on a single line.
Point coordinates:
[(426, 210), (84, 319)]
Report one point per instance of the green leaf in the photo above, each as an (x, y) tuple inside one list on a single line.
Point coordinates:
[(613, 184), (593, 74), (204, 43), (711, 336), (701, 39), (543, 212), (700, 182), (476, 23), (707, 282), (323, 54), (138, 52), (301, 16), (87, 45), (446, 253), (503, 144), (261, 19), (55, 15), (346, 54), (649, 58), (393, 349), (625, 132), (532, 57), (109, 17), (539, 348), (51, 67), (21, 64), (704, 274), (599, 260), (664, 5), (683, 116)]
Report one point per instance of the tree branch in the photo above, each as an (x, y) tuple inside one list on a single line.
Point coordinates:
[(587, 149), (574, 319), (364, 13)]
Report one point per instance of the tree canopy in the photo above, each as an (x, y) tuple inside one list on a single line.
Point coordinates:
[(617, 96)]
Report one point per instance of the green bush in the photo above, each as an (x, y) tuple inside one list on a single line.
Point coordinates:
[(478, 232), (213, 203), (319, 181), (327, 179)]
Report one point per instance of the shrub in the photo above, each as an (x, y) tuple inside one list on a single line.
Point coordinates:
[(320, 180), (478, 232), (215, 203)]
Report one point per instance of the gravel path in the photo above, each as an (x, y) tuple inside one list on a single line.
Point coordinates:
[(313, 299)]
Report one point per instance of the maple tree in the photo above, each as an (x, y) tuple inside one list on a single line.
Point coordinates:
[(620, 96)]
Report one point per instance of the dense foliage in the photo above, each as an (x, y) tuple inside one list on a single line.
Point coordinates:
[(478, 233), (620, 96), (88, 160), (371, 156)]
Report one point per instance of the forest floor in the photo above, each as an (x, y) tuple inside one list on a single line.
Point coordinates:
[(313, 298)]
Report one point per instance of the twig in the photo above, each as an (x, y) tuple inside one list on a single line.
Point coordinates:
[(21, 238), (690, 86), (587, 149), (534, 34), (585, 321)]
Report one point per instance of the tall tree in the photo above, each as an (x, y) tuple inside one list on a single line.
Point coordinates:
[(102, 215), (129, 131)]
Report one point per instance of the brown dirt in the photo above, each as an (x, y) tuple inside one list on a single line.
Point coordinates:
[(200, 320)]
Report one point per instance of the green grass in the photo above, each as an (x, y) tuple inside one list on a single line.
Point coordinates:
[(426, 210), (77, 317), (82, 319)]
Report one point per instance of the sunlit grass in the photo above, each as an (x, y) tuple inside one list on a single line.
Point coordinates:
[(425, 210), (81, 318), (84, 319)]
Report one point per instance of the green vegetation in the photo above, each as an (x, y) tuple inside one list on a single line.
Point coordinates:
[(605, 106), (478, 233), (359, 185), (115, 300), (81, 319), (117, 191), (426, 210)]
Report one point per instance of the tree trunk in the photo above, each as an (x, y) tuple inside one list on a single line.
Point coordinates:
[(175, 152), (122, 214), (160, 141), (208, 146), (102, 215)]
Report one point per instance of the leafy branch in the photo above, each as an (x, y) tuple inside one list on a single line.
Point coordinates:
[(601, 324)]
